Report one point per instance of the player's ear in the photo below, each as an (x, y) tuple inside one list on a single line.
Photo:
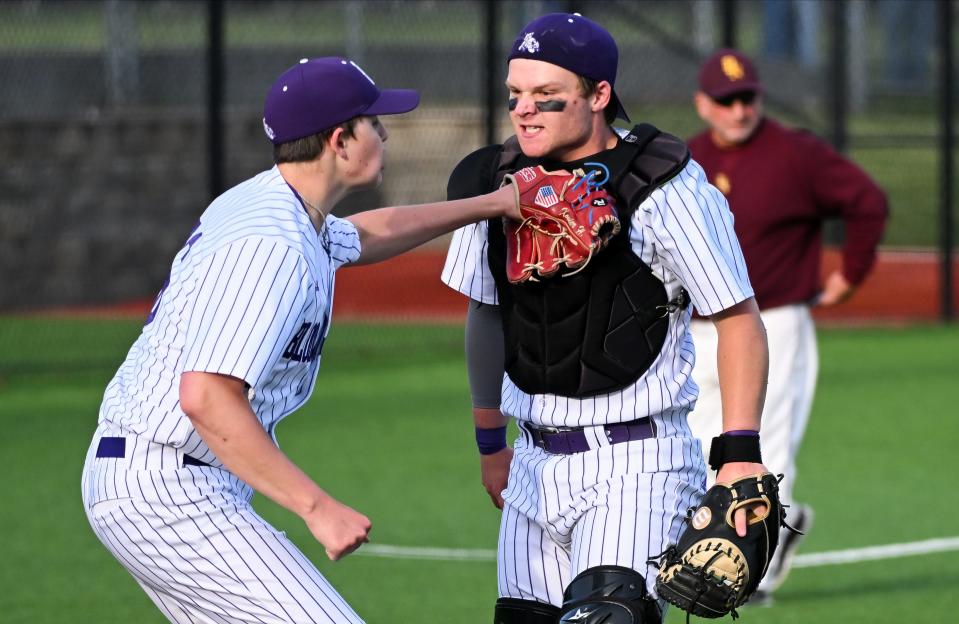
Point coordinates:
[(601, 96), (337, 143)]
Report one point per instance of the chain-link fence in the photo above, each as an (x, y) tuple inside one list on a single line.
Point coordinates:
[(108, 156)]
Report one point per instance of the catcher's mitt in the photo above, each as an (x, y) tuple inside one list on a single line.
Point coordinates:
[(712, 570), (566, 218)]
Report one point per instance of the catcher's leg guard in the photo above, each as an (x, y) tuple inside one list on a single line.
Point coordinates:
[(516, 611), (611, 595)]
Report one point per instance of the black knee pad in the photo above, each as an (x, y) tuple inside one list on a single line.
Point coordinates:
[(611, 595), (516, 611)]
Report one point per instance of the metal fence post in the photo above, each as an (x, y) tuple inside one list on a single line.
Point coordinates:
[(728, 12), (214, 99), (838, 75), (122, 53), (946, 142), (490, 87)]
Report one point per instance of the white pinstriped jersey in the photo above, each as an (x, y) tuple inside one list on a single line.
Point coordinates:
[(249, 295), (684, 232)]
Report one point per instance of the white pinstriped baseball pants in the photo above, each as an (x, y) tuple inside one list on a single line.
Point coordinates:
[(191, 540), (611, 505)]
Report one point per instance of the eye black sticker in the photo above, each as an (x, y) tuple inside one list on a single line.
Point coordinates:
[(551, 106), (545, 106)]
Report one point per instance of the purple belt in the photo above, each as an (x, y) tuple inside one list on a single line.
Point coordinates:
[(568, 440), (117, 447)]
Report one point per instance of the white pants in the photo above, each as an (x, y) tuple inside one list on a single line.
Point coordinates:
[(793, 365), (618, 505), (191, 540)]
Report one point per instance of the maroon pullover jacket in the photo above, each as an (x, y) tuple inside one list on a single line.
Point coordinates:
[(781, 185)]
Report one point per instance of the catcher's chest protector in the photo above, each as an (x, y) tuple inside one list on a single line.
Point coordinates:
[(599, 330)]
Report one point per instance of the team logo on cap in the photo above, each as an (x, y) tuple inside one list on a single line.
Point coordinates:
[(530, 44), (732, 68), (268, 129)]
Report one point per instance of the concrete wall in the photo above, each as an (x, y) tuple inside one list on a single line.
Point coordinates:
[(93, 210)]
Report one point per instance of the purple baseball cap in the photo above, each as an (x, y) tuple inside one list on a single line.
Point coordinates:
[(727, 72), (575, 43), (317, 94)]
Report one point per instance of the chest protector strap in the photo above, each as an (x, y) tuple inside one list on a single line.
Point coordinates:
[(599, 330)]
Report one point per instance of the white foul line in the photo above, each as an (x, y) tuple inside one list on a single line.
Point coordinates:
[(425, 552), (809, 560), (874, 553)]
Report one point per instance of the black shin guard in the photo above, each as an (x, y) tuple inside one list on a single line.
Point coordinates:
[(611, 595), (516, 611)]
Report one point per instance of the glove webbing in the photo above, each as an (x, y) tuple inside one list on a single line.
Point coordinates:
[(670, 554), (701, 573), (556, 237)]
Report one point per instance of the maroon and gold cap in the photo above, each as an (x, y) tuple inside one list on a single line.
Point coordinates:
[(727, 72)]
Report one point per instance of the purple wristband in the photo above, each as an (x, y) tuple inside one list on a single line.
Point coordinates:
[(742, 432), (490, 441)]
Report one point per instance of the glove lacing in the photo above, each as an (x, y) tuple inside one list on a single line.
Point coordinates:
[(535, 267), (557, 238), (591, 186)]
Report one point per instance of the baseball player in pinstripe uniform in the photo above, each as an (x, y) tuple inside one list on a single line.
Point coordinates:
[(187, 427), (595, 366)]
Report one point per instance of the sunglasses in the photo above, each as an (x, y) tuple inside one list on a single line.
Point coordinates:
[(746, 97)]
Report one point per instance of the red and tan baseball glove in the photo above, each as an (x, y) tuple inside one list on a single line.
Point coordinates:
[(566, 219)]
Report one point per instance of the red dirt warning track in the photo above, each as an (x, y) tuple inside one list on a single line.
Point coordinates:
[(904, 287)]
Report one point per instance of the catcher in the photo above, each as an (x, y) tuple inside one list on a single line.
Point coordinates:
[(578, 329)]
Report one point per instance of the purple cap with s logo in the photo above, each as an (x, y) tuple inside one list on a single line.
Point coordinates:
[(575, 43), (317, 94)]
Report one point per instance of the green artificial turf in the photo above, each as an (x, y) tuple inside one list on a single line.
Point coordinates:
[(388, 431)]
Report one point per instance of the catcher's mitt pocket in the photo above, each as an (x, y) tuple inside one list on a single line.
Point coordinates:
[(712, 570)]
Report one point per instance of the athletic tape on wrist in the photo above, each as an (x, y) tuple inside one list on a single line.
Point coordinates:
[(490, 441)]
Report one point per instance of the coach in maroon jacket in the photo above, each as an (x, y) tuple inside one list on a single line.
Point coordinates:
[(781, 184)]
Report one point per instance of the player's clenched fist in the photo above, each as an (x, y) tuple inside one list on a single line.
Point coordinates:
[(494, 471), (341, 529)]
